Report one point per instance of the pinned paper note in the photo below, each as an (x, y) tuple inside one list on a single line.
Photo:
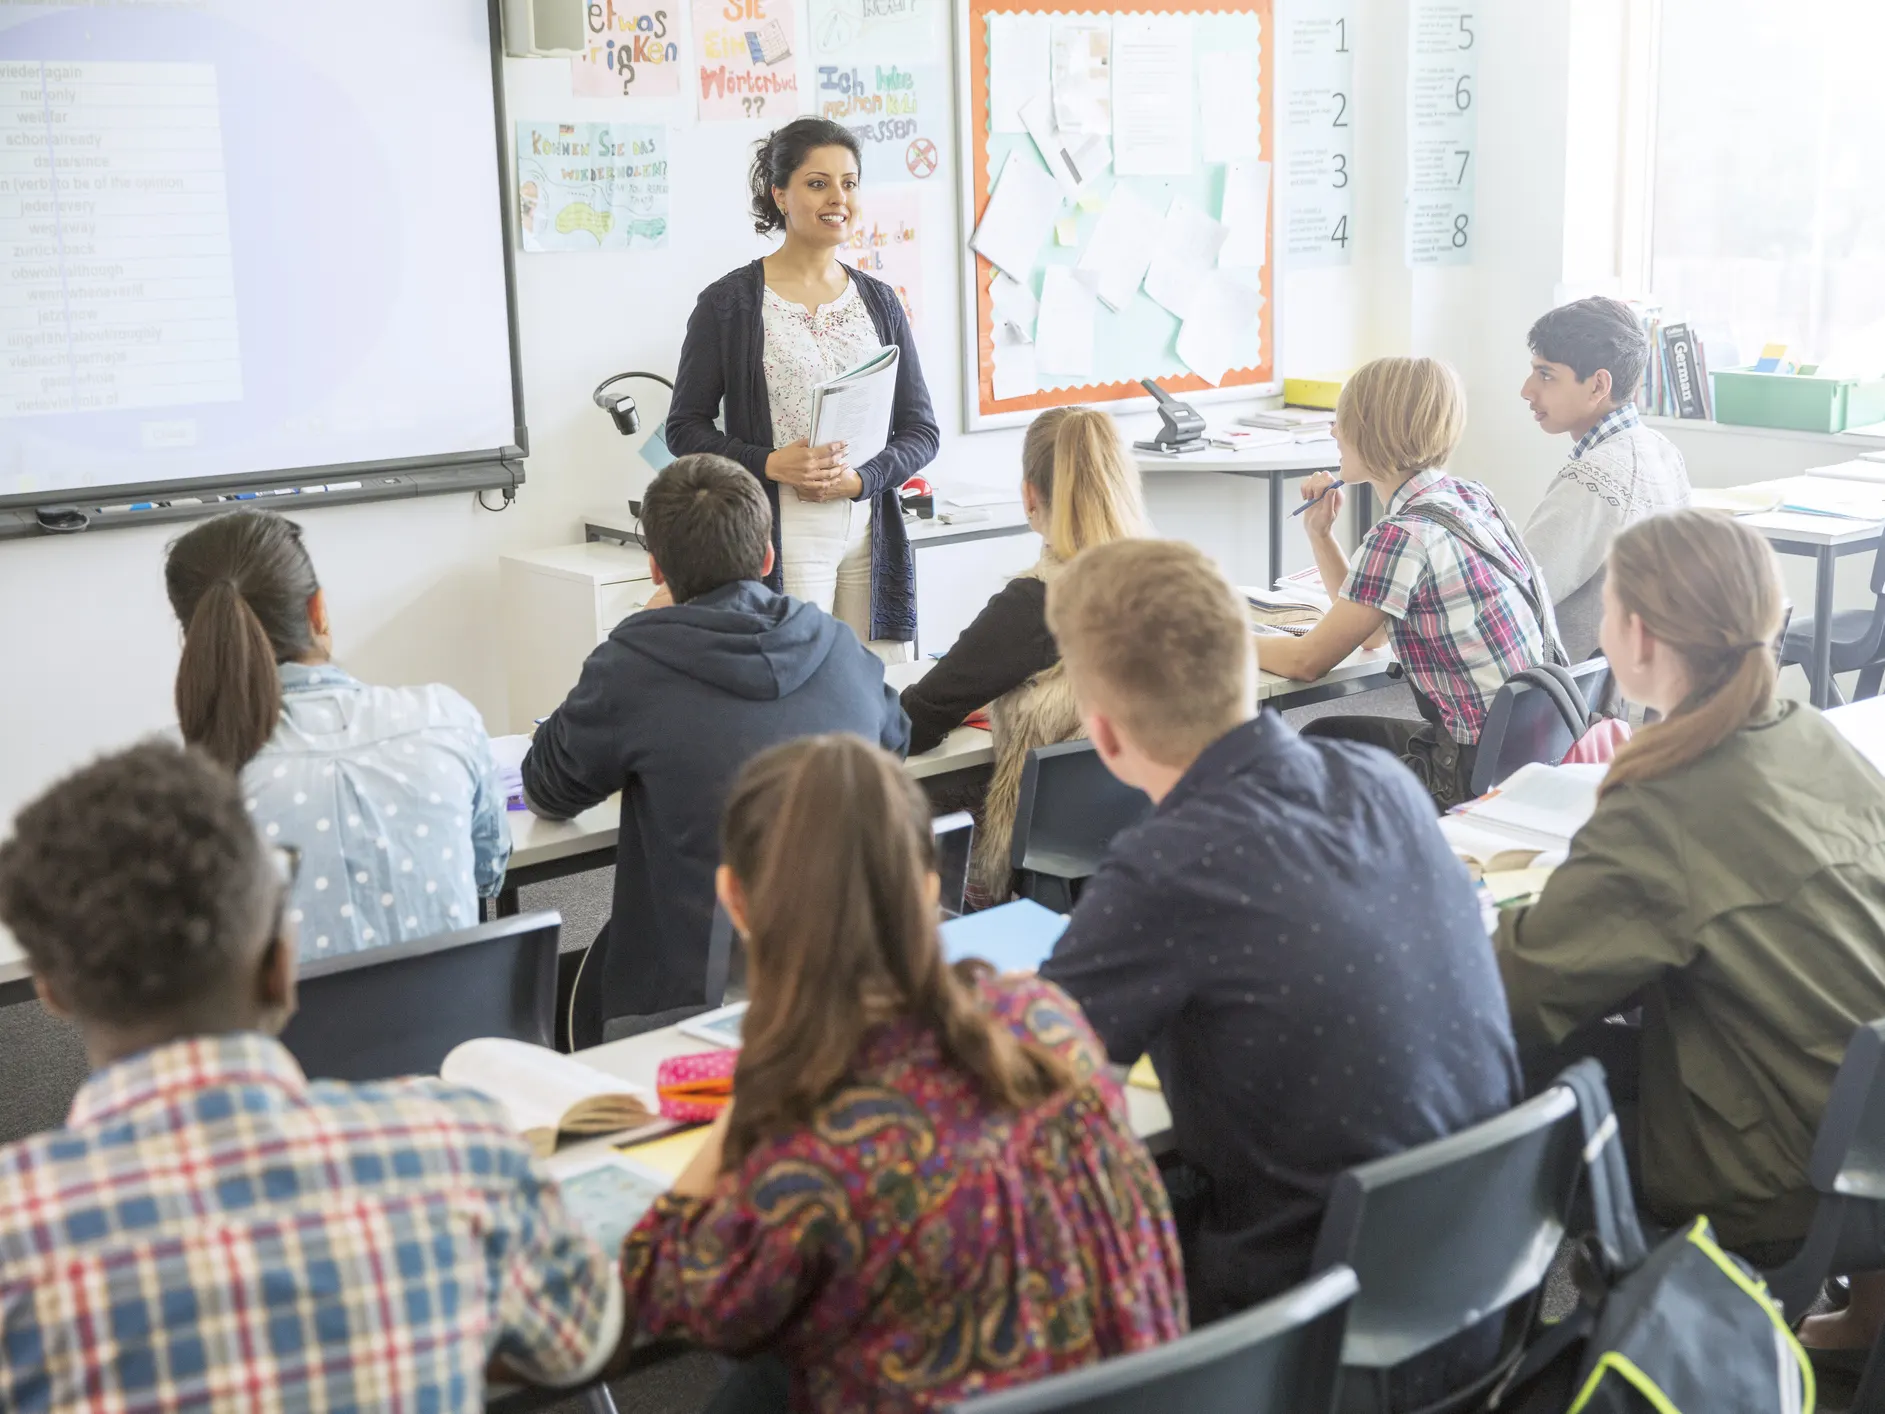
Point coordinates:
[(1246, 215), (1221, 314), (1015, 375), (1232, 126), (1019, 217), (631, 50), (1185, 254), (1063, 335), (1075, 159), (1082, 79), (1153, 95), (745, 64), (1017, 68), (1123, 242), (1067, 231), (1014, 304), (885, 245), (1091, 200)]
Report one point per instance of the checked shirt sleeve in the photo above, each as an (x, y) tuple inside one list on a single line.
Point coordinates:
[(1386, 570)]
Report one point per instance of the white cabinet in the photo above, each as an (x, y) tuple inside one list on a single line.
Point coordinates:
[(558, 605)]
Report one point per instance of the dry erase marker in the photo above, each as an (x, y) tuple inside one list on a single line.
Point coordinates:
[(343, 486)]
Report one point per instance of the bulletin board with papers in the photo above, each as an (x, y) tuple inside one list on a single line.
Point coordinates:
[(1116, 201)]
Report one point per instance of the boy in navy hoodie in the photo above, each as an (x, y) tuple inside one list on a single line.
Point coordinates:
[(669, 708)]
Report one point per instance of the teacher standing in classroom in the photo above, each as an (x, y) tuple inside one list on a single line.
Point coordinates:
[(761, 338)]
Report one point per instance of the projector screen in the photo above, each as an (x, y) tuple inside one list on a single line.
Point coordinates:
[(244, 237)]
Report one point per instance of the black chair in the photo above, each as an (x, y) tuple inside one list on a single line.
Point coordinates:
[(1277, 1358), (1847, 1170), (1858, 640), (1444, 1236), (1537, 717), (1070, 808), (399, 1010)]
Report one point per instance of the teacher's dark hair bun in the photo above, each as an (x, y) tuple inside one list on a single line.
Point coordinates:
[(783, 153)]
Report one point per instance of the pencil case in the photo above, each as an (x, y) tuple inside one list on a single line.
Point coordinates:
[(693, 1089)]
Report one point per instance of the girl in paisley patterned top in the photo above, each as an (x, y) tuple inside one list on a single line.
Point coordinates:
[(926, 1187)]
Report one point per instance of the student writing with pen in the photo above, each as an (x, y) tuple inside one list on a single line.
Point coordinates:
[(1443, 576)]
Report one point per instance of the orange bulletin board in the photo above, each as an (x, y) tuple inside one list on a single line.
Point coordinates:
[(1140, 340)]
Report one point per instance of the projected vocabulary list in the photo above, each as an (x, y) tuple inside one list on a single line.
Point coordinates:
[(114, 226)]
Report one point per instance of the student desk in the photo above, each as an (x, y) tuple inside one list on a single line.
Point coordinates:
[(1004, 518), (542, 850), (1276, 465), (1863, 724)]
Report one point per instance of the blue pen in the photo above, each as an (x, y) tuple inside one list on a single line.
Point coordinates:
[(1334, 485)]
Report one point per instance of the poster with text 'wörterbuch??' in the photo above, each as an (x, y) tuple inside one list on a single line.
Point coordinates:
[(592, 186), (632, 51), (745, 55)]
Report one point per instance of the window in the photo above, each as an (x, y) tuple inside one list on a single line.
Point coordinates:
[(1768, 206)]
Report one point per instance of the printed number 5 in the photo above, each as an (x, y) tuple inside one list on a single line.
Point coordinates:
[(1341, 169), (1466, 31)]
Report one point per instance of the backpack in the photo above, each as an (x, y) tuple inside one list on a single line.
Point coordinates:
[(1679, 1328)]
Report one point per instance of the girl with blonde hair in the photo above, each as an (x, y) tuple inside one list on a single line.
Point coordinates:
[(1444, 575), (1731, 883), (1080, 488)]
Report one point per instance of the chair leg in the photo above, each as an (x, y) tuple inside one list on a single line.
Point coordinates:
[(599, 1400), (1871, 678)]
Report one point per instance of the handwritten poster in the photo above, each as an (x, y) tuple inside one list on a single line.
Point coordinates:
[(633, 51), (592, 186), (885, 245), (1442, 131), (898, 112), (874, 29), (744, 53), (1316, 185)]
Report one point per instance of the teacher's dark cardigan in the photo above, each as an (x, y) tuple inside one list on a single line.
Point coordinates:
[(722, 360)]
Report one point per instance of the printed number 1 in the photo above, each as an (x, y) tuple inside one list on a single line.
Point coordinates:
[(1341, 36)]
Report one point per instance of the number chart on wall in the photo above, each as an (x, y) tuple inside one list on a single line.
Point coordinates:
[(1442, 131), (1316, 186), (1116, 201)]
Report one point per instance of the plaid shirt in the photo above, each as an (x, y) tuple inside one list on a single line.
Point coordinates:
[(1458, 625), (1618, 419), (210, 1231)]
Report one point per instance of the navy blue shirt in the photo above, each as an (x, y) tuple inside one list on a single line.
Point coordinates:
[(1292, 941)]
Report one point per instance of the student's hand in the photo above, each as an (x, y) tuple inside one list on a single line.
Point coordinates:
[(810, 469), (1319, 519)]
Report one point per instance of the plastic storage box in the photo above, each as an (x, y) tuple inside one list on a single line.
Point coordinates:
[(1805, 404)]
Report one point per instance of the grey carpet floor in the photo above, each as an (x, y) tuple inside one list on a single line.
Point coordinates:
[(42, 1064)]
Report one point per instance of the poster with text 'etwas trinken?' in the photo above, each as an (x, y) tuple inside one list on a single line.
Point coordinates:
[(632, 50), (744, 54)]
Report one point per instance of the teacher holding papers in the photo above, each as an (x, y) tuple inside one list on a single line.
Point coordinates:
[(761, 341)]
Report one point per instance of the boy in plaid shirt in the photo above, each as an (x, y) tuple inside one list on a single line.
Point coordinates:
[(1443, 576), (210, 1230)]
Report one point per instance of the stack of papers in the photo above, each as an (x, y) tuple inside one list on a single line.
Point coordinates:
[(1528, 821), (1831, 496), (1289, 418), (1868, 466), (854, 408), (1011, 937), (1753, 500), (1247, 439), (1280, 609)]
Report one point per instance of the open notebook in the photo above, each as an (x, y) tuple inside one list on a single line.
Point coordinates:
[(547, 1094)]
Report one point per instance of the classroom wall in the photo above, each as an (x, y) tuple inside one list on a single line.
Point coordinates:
[(88, 645)]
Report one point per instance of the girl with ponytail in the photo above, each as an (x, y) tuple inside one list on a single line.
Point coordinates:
[(1731, 883), (1080, 488), (391, 795), (925, 1187)]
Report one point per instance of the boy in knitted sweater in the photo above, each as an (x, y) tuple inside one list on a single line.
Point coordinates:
[(1587, 363)]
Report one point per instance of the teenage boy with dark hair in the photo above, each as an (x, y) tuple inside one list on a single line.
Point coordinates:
[(1587, 363), (669, 708), (210, 1229)]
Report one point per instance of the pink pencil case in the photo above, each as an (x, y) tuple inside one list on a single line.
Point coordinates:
[(694, 1089)]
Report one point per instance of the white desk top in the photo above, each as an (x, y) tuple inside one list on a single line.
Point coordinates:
[(1802, 527), (1002, 518), (1863, 724), (1309, 456), (637, 1058)]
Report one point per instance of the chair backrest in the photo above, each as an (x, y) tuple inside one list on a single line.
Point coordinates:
[(1528, 722), (1445, 1234), (398, 1010), (955, 842), (1070, 808), (1849, 1149), (1277, 1358)]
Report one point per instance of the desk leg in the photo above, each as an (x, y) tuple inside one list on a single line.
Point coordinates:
[(1276, 528), (1820, 673), (505, 905)]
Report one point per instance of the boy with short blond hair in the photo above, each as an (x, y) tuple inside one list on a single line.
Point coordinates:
[(1287, 935)]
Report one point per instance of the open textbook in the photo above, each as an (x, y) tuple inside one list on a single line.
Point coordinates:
[(545, 1093), (1529, 820), (855, 407)]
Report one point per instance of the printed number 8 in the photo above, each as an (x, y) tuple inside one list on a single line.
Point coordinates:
[(1459, 230)]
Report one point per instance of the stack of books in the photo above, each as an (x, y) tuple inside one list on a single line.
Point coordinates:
[(1302, 424), (1675, 380)]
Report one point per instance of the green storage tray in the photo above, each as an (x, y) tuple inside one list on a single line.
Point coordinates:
[(1751, 399)]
